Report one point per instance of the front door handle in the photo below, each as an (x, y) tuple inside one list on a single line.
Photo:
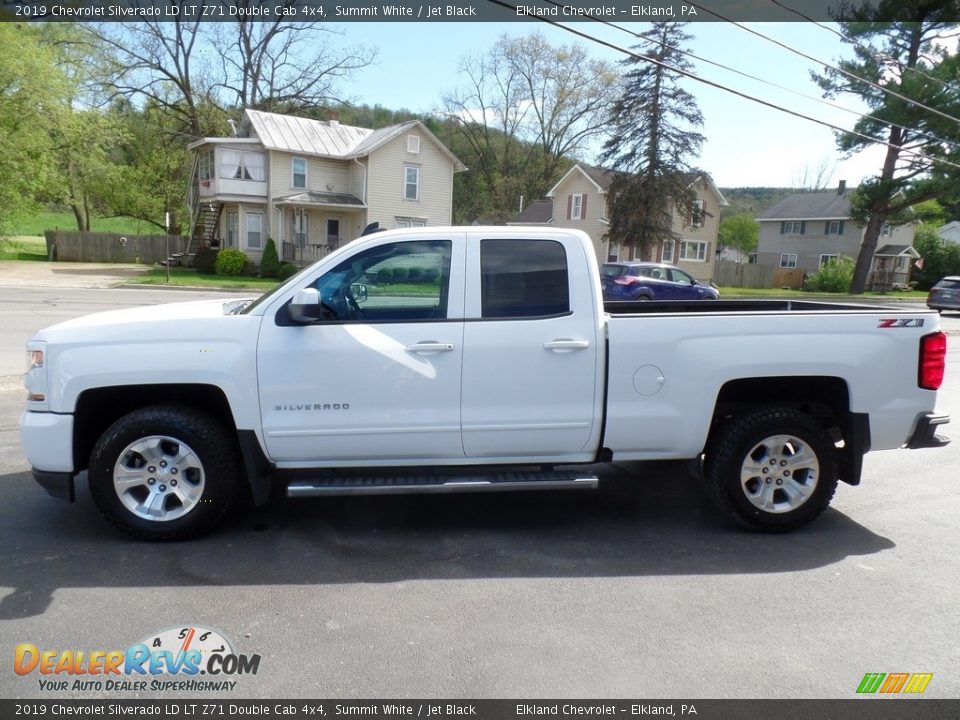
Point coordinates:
[(430, 347), (566, 344)]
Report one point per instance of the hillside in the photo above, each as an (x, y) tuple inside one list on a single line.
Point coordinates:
[(753, 200)]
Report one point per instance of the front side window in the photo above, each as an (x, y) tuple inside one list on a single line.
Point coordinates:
[(411, 183), (693, 250), (398, 282), (523, 278), (299, 172), (788, 260), (679, 276), (254, 230)]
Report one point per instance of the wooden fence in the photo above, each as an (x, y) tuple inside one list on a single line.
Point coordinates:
[(744, 275), (73, 246)]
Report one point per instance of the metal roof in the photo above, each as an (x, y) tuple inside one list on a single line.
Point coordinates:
[(319, 198)]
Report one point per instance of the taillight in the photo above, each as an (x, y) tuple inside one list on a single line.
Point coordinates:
[(933, 360), (625, 280)]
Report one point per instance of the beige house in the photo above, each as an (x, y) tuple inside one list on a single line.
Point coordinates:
[(807, 230), (579, 200), (313, 185)]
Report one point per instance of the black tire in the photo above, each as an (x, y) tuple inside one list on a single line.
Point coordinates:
[(184, 451), (773, 500)]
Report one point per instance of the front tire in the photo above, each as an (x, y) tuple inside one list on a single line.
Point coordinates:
[(772, 470), (165, 472)]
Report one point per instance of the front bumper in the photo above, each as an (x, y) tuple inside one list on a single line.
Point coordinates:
[(924, 434)]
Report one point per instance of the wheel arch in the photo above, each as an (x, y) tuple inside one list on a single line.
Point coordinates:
[(98, 408), (826, 398)]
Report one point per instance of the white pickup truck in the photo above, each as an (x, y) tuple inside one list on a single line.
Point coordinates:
[(469, 359)]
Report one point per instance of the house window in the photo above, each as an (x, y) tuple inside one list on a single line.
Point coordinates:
[(411, 183), (792, 227), (406, 222), (697, 213), (254, 230), (233, 228), (205, 169), (239, 165), (788, 260), (299, 172), (301, 228), (413, 144), (693, 250), (667, 256), (333, 231), (824, 259), (886, 230), (834, 227), (902, 263), (576, 206)]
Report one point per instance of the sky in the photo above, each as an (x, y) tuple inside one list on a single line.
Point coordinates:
[(747, 144)]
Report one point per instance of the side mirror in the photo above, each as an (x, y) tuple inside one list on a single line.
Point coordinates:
[(306, 306), (359, 292)]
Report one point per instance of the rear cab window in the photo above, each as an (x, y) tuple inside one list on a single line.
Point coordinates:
[(523, 278)]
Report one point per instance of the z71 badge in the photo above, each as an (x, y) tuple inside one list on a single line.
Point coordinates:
[(905, 323)]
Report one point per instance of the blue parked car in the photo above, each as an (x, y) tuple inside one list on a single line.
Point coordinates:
[(651, 281)]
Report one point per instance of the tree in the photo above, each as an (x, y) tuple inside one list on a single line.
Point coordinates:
[(899, 48), (939, 258), (651, 136), (525, 107), (31, 91), (741, 232)]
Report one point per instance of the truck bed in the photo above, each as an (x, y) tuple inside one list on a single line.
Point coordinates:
[(647, 307)]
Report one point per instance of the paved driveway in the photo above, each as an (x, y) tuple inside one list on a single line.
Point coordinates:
[(78, 275)]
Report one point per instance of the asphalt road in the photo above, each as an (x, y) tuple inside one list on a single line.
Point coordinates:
[(638, 590)]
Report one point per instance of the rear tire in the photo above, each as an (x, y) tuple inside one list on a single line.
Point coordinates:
[(772, 470), (165, 472)]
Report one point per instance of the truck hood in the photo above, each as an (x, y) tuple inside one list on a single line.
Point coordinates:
[(146, 314)]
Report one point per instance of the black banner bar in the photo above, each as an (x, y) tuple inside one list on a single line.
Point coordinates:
[(872, 708)]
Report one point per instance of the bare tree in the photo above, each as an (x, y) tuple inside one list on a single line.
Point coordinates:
[(815, 177)]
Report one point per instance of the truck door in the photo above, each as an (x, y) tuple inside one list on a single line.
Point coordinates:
[(530, 350), (380, 377)]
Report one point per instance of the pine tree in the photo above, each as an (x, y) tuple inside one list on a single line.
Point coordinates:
[(652, 136), (899, 46)]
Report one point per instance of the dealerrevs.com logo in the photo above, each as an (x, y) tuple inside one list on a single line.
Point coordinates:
[(190, 658), (894, 683)]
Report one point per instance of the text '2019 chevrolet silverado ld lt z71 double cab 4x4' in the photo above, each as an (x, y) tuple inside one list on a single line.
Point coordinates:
[(434, 359)]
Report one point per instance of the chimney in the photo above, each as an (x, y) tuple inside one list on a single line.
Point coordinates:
[(842, 187)]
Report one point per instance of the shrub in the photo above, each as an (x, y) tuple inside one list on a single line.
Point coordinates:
[(431, 275), (205, 260), (384, 276), (270, 261), (415, 275), (231, 262), (834, 277), (400, 275), (286, 270)]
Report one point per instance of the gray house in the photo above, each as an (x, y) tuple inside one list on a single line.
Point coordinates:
[(807, 230)]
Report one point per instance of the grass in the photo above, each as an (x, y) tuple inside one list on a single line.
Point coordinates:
[(23, 248), (50, 220), (183, 277)]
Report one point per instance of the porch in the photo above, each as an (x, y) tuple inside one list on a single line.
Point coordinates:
[(891, 268), (311, 225)]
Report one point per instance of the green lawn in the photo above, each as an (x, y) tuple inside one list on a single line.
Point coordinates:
[(37, 224), (184, 277), (23, 248)]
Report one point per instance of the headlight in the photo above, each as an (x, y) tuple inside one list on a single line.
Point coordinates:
[(36, 378)]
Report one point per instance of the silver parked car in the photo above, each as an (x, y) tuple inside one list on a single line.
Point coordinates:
[(945, 295)]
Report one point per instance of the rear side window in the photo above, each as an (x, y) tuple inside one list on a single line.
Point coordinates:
[(523, 278)]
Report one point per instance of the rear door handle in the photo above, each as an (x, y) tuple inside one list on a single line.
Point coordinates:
[(430, 347), (566, 344)]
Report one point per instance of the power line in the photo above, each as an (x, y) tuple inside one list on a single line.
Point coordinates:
[(764, 81), (711, 83), (866, 48), (827, 65)]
